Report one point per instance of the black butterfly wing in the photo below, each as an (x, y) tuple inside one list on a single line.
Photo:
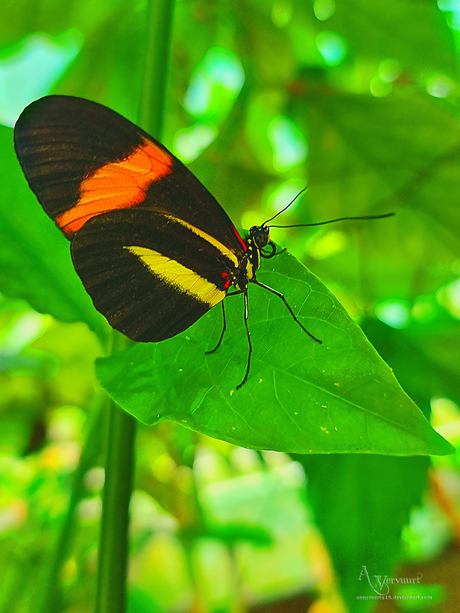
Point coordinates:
[(152, 246), (150, 275), (82, 159)]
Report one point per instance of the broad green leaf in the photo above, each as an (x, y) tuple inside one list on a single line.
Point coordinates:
[(35, 261), (420, 348), (400, 153), (361, 504), (18, 20), (415, 34), (300, 396)]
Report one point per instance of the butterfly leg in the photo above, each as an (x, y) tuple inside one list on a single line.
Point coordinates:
[(268, 254), (248, 334), (225, 323), (222, 333), (280, 295)]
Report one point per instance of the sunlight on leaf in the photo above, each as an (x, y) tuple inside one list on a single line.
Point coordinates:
[(285, 193), (22, 331), (440, 86), (449, 297), (33, 68), (189, 143), (424, 309), (452, 10), (389, 70), (290, 147), (281, 13), (444, 411), (214, 85), (323, 9), (326, 244), (394, 313), (332, 47), (379, 88)]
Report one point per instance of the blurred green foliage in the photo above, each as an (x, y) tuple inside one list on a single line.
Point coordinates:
[(360, 101)]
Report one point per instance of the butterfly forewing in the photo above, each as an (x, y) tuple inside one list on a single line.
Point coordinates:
[(61, 140), (82, 159)]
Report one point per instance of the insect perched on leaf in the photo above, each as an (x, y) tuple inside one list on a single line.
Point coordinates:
[(153, 248)]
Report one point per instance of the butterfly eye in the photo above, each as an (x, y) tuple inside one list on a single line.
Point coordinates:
[(260, 235)]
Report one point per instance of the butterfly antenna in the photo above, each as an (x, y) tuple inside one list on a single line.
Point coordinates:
[(285, 209), (322, 223)]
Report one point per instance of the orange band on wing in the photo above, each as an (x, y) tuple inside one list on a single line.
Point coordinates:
[(117, 185)]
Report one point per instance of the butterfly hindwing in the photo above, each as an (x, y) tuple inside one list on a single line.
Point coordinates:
[(149, 273)]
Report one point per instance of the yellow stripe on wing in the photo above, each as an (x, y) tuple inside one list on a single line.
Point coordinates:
[(210, 239), (180, 277)]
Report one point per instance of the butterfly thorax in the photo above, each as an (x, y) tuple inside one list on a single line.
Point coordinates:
[(255, 241)]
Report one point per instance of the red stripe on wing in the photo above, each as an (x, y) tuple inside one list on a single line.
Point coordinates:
[(117, 185)]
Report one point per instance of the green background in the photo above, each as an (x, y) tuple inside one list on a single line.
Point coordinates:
[(357, 100)]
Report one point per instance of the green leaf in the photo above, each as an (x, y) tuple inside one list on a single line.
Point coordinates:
[(379, 30), (35, 262), (419, 348), (300, 396), (361, 513), (399, 153)]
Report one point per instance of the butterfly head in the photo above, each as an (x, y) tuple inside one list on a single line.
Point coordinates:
[(260, 236)]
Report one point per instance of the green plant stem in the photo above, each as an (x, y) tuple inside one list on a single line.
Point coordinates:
[(156, 68), (113, 550)]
